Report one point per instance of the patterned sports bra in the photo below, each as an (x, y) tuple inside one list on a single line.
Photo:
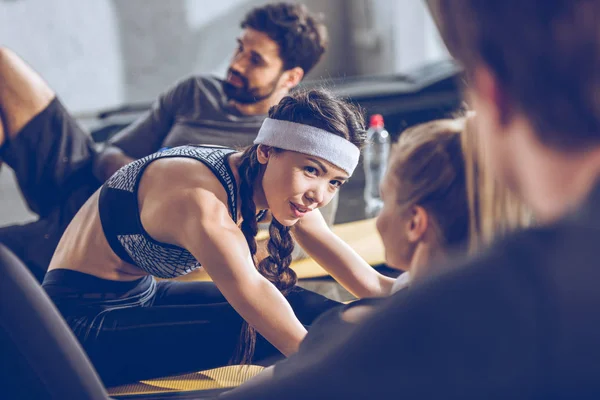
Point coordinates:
[(120, 214)]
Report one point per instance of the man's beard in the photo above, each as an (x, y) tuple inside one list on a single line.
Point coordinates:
[(245, 94)]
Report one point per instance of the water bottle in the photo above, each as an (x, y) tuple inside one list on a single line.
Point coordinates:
[(375, 158)]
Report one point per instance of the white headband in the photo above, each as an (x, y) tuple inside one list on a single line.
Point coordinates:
[(309, 140)]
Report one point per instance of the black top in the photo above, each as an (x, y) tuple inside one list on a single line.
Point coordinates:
[(120, 214), (521, 321)]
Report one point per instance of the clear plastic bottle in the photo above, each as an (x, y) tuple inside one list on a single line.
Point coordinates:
[(375, 158)]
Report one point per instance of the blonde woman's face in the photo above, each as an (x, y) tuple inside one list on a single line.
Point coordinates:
[(391, 224)]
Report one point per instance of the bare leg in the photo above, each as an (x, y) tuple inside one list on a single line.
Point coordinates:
[(23, 93)]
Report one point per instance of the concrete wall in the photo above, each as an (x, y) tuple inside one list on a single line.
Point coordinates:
[(415, 38), (74, 45), (391, 36)]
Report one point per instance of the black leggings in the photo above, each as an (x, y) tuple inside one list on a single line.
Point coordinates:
[(146, 329)]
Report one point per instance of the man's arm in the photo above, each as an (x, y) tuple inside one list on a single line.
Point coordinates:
[(110, 159), (144, 136), (473, 333)]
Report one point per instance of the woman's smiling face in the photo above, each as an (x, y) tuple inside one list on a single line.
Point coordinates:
[(294, 183)]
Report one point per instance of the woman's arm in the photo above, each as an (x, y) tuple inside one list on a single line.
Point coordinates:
[(339, 259), (205, 228)]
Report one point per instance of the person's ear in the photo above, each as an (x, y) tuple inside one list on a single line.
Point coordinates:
[(489, 93), (292, 77), (263, 153), (417, 224)]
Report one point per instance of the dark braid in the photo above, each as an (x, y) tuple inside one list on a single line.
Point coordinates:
[(249, 170), (275, 267), (317, 108)]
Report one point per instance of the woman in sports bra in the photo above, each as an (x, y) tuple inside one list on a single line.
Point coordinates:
[(174, 211)]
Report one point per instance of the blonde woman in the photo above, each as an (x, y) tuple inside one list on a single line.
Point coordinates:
[(440, 198)]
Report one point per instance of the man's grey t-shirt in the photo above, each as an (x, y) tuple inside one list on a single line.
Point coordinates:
[(194, 111)]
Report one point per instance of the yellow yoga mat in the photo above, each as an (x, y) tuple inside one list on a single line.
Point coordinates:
[(217, 378), (361, 235)]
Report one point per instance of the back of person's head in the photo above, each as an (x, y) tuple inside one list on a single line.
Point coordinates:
[(318, 108), (440, 166), (301, 36), (428, 170), (545, 56), (494, 210)]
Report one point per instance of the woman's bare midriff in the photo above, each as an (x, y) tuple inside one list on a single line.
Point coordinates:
[(84, 248)]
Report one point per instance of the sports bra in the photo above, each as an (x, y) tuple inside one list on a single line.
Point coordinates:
[(120, 214)]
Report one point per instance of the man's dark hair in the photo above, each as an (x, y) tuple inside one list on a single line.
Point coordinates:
[(545, 55), (300, 35)]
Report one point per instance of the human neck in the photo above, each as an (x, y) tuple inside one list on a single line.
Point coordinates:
[(555, 182), (426, 254), (261, 107), (258, 194)]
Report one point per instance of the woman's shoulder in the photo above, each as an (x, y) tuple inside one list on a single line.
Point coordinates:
[(181, 174), (182, 179)]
